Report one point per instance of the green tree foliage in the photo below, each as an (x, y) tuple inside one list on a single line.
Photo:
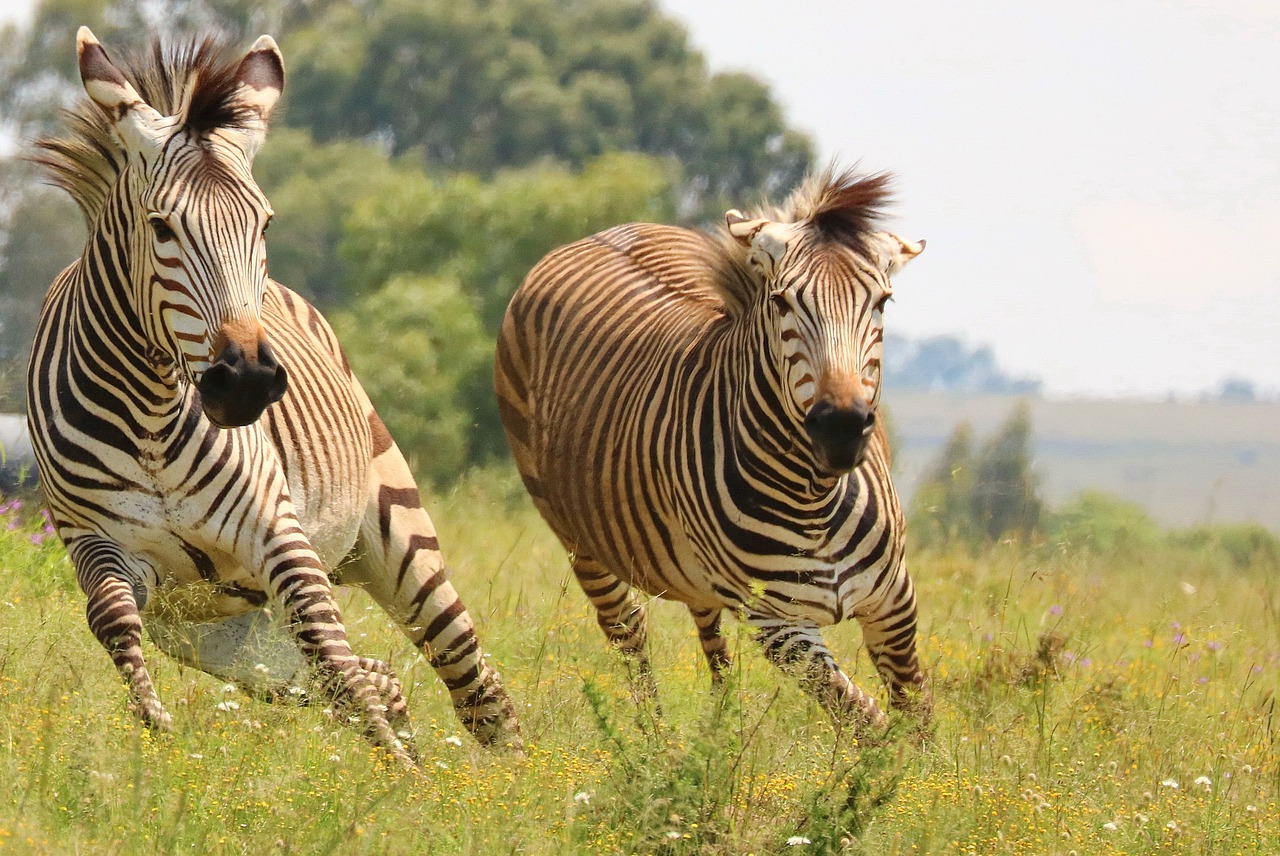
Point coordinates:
[(1102, 524), (941, 509), (486, 235), (41, 233), (313, 190), (984, 496), (478, 85), (414, 343), (1005, 497)]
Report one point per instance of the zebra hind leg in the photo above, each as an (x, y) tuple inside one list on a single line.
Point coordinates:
[(624, 621), (384, 680), (111, 582), (397, 560), (798, 649)]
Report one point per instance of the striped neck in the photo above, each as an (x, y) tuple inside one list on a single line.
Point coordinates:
[(767, 441), (107, 327)]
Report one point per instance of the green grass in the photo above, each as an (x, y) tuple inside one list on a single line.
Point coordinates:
[(1072, 692)]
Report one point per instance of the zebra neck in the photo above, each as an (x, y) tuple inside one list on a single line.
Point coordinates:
[(767, 448), (106, 331)]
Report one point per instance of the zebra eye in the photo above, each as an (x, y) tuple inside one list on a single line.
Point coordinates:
[(265, 226), (883, 302), (162, 229)]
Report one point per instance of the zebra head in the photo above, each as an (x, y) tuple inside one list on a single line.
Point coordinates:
[(826, 280), (191, 219)]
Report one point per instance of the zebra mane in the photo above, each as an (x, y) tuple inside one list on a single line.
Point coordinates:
[(87, 159), (842, 208)]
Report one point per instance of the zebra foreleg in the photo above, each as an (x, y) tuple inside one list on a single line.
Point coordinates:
[(889, 631), (799, 650), (114, 585), (299, 584), (713, 642)]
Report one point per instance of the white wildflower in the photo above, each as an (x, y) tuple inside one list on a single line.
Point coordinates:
[(582, 798), (261, 667), (196, 755), (1110, 826), (335, 757), (442, 765), (453, 740), (228, 688), (1169, 783), (1204, 782), (228, 705), (797, 840), (673, 834)]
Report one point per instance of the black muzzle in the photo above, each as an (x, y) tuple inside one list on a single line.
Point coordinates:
[(236, 389), (840, 435)]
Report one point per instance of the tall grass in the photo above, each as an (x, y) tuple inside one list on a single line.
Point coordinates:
[(1084, 702)]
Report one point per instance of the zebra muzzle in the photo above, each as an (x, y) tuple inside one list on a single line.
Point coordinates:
[(840, 435), (236, 389)]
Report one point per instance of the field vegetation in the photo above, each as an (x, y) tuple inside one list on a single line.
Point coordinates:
[(1094, 694)]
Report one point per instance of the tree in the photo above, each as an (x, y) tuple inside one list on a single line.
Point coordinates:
[(1005, 490), (314, 189), (413, 343), (479, 85), (946, 363), (940, 509), (41, 232), (980, 497), (487, 235)]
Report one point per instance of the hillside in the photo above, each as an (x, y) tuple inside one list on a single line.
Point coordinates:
[(1187, 463)]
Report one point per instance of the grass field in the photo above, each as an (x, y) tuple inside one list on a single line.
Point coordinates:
[(1083, 704)]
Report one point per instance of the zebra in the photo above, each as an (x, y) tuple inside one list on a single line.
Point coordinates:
[(209, 459), (695, 418)]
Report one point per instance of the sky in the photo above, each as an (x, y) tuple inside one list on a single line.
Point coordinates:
[(1098, 181)]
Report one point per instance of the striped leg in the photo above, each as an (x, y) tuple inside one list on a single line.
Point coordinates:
[(622, 617), (397, 560), (889, 631), (297, 581), (713, 643), (798, 649), (114, 586)]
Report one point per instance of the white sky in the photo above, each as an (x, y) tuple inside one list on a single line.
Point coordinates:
[(1098, 181)]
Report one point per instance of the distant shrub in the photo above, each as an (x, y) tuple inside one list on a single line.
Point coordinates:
[(1102, 523), (1241, 544)]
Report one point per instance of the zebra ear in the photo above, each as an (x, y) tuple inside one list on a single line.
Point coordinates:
[(261, 76), (136, 121), (766, 240), (893, 252)]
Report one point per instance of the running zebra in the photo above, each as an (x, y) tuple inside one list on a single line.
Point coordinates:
[(208, 456), (695, 417)]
